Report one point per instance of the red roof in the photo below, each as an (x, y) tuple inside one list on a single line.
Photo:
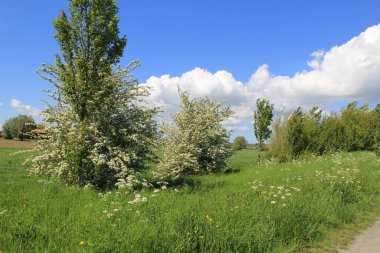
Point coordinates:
[(39, 131)]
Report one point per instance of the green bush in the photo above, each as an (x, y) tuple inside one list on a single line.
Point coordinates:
[(359, 127), (332, 137), (297, 136), (240, 142)]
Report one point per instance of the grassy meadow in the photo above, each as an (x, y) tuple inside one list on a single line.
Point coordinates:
[(289, 207)]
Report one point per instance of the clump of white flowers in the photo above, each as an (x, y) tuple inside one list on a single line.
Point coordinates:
[(138, 199), (196, 142)]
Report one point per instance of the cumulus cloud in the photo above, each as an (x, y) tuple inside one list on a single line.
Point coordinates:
[(346, 72), (24, 109)]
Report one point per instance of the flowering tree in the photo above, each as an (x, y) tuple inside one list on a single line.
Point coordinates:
[(99, 129), (195, 142)]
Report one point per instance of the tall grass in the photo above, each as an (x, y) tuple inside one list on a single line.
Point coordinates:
[(286, 207), (278, 145)]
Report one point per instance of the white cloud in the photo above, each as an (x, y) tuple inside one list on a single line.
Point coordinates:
[(347, 72), (24, 109), (1, 104), (239, 128), (316, 60)]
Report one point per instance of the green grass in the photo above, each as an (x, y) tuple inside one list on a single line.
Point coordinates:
[(231, 212)]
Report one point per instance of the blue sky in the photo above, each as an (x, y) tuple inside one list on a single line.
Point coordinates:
[(233, 42)]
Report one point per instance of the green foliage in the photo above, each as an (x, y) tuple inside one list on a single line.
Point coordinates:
[(297, 135), (358, 126), (354, 128), (312, 128), (333, 134), (376, 120), (214, 213), (196, 142), (240, 142), (18, 127), (278, 146), (263, 117), (90, 48), (100, 131)]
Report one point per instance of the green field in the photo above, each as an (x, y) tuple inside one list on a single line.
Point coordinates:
[(288, 207)]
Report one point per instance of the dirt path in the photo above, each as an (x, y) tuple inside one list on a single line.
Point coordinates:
[(367, 242)]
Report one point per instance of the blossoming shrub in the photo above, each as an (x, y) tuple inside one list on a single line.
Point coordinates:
[(99, 130), (196, 142), (107, 150)]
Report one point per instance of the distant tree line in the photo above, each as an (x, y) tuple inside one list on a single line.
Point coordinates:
[(354, 128)]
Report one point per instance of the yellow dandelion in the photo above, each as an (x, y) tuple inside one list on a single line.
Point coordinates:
[(81, 243)]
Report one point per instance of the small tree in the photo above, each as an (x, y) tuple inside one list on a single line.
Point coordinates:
[(263, 117), (196, 142), (17, 127), (240, 142), (313, 123), (358, 125), (100, 132), (297, 135)]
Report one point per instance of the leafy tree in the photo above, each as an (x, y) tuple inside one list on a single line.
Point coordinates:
[(195, 142), (358, 126), (240, 142), (332, 134), (18, 127), (263, 117), (100, 131), (376, 119), (297, 136), (312, 128)]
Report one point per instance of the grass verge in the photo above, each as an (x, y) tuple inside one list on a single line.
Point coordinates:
[(290, 207)]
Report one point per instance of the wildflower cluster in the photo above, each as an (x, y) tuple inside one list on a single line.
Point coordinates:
[(209, 218), (343, 176), (138, 199), (114, 210), (104, 196), (276, 195), (3, 212), (343, 181)]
